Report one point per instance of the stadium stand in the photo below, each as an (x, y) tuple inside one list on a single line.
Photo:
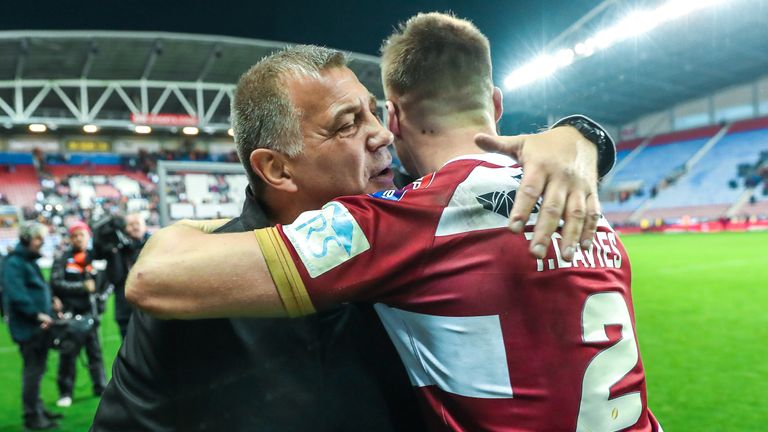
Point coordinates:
[(658, 182), (621, 154), (649, 170), (650, 180), (19, 184), (713, 186), (59, 186)]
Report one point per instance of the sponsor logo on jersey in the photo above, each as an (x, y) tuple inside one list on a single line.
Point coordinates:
[(326, 238), (482, 201), (500, 202), (423, 182), (391, 194)]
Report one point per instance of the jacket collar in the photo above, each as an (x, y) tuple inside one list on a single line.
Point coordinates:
[(253, 215), (25, 253)]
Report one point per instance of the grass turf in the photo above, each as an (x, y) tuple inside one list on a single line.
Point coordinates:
[(78, 417), (700, 303), (700, 307)]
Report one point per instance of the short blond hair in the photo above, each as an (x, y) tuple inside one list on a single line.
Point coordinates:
[(262, 113), (438, 56)]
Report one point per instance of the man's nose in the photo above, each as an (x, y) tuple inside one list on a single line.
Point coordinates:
[(379, 137)]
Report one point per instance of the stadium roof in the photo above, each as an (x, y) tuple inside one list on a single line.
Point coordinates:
[(681, 60), (127, 55), (110, 78)]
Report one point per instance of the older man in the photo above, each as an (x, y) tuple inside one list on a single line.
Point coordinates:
[(307, 131), (28, 302), (244, 375)]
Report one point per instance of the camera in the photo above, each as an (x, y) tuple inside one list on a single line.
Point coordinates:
[(71, 331), (109, 233)]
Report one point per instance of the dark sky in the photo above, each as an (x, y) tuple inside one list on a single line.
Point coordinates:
[(516, 28)]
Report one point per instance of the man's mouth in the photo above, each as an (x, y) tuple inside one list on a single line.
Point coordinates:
[(385, 172)]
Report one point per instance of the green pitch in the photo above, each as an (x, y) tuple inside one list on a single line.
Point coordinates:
[(78, 417), (702, 324), (700, 304)]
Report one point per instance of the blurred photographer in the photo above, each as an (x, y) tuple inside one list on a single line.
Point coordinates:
[(28, 303), (119, 241), (73, 281)]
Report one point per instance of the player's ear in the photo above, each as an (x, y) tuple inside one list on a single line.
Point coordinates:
[(498, 104), (271, 167), (393, 119)]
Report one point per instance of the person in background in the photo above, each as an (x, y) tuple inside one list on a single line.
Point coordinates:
[(2, 259), (27, 301), (120, 246), (73, 281)]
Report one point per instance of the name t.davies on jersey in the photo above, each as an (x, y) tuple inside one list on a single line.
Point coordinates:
[(603, 252)]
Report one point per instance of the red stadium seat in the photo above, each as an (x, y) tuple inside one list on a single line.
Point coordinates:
[(20, 186)]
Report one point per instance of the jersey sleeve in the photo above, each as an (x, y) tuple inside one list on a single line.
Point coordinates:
[(355, 249)]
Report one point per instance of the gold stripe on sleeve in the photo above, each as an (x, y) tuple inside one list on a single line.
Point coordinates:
[(284, 273)]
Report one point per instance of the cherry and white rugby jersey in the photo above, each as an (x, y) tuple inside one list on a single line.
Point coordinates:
[(492, 338)]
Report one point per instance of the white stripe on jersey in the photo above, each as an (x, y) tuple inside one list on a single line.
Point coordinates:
[(461, 355), (464, 213)]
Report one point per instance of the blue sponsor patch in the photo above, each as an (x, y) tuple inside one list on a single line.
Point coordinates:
[(326, 238), (391, 194)]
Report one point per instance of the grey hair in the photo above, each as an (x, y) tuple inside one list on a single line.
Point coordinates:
[(32, 229), (262, 113)]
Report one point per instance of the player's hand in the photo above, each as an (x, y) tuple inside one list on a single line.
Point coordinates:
[(90, 285), (561, 165), (205, 225), (45, 320)]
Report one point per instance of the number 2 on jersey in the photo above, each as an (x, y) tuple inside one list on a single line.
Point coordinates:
[(598, 412)]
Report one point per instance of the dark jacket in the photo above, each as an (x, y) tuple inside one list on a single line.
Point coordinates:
[(68, 282), (120, 258), (25, 293), (334, 371)]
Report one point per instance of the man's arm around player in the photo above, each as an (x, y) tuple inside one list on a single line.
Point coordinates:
[(245, 288)]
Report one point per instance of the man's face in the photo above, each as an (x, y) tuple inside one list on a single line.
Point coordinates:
[(36, 243), (345, 145), (80, 239), (135, 227)]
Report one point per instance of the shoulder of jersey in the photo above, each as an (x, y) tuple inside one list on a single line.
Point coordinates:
[(398, 194), (450, 175)]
